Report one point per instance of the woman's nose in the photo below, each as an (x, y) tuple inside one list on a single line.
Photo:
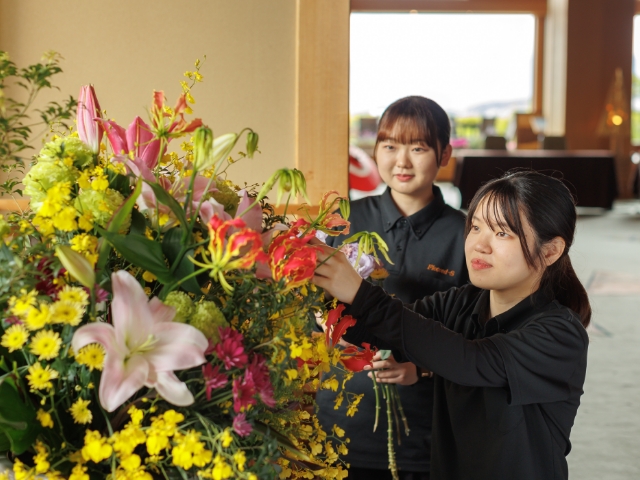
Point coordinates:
[(482, 246), (403, 160)]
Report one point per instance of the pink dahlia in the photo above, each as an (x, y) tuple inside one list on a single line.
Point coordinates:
[(243, 392), (213, 378), (230, 348)]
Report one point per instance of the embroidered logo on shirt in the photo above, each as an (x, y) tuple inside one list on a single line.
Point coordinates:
[(443, 271)]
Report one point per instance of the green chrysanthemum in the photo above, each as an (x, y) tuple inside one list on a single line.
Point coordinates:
[(101, 205), (64, 148), (44, 175), (183, 305), (207, 318)]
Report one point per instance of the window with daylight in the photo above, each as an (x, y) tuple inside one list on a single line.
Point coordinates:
[(478, 67)]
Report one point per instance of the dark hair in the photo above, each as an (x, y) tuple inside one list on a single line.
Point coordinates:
[(548, 207), (415, 119)]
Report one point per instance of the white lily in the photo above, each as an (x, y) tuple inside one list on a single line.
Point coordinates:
[(143, 346)]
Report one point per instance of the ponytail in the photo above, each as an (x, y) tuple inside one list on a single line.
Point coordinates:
[(548, 207), (560, 281)]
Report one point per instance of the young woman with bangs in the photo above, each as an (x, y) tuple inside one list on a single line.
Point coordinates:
[(509, 351), (426, 245)]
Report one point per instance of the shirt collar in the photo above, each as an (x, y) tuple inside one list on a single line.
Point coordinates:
[(512, 318), (419, 222)]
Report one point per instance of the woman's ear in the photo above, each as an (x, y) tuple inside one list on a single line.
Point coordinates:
[(446, 156), (553, 250)]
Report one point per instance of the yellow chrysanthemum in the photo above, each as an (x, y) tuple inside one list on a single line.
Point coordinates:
[(44, 418), (38, 318), (67, 313), (14, 337), (46, 344), (40, 377), (74, 295), (92, 356), (80, 411), (21, 305)]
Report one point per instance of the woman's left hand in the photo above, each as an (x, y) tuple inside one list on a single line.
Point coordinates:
[(390, 371), (336, 275)]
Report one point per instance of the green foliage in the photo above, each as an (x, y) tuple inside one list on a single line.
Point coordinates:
[(17, 127)]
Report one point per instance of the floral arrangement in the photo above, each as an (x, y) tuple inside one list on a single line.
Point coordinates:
[(157, 318)]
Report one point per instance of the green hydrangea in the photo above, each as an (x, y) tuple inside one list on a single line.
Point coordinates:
[(207, 318), (101, 205), (227, 197), (66, 147), (183, 305)]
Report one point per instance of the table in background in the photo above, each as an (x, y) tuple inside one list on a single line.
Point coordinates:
[(589, 174)]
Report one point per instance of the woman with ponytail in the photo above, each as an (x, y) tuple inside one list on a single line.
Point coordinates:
[(509, 351)]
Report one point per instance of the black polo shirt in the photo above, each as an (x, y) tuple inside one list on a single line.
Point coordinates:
[(507, 389), (427, 250)]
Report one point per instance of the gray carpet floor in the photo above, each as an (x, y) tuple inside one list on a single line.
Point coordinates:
[(606, 435)]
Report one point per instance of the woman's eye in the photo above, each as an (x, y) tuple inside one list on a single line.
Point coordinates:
[(502, 234), (474, 228)]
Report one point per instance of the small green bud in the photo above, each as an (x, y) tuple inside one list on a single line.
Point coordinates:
[(345, 208), (252, 143), (203, 148)]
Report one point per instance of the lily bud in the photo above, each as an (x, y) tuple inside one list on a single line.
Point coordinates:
[(77, 266), (89, 130), (202, 148), (252, 143), (345, 208), (222, 147)]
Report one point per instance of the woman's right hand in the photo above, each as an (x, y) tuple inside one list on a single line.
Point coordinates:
[(336, 275)]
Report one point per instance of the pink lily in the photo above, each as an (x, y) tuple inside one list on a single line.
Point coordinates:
[(144, 346), (147, 201), (88, 117), (137, 140)]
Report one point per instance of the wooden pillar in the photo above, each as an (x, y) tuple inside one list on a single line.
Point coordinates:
[(587, 40), (322, 95)]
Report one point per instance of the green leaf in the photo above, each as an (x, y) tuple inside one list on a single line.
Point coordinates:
[(138, 223), (142, 252), (172, 246), (17, 419), (121, 215), (5, 443), (116, 224), (165, 198)]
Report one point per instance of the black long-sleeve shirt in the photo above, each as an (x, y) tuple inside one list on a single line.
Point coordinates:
[(427, 250), (507, 388)]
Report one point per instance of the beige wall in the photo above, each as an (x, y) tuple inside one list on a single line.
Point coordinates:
[(127, 48)]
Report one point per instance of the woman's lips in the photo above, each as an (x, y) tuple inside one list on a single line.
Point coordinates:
[(404, 178), (478, 264)]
